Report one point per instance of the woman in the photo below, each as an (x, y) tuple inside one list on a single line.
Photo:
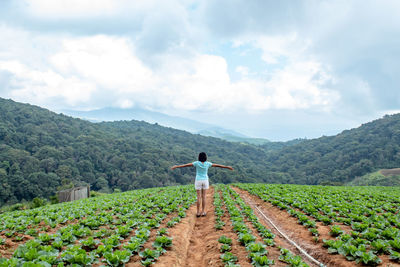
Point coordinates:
[(201, 183)]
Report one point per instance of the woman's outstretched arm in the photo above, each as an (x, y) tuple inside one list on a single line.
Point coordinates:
[(222, 166), (182, 166)]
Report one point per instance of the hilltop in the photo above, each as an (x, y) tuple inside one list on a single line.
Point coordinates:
[(41, 150), (142, 114), (341, 158)]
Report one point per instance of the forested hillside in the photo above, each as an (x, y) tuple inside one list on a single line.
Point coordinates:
[(41, 150), (339, 159)]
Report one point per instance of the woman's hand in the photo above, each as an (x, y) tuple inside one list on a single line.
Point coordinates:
[(222, 166), (181, 166)]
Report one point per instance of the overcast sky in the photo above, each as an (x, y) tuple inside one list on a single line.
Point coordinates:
[(273, 69)]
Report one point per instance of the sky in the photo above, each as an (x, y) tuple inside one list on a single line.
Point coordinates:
[(273, 69)]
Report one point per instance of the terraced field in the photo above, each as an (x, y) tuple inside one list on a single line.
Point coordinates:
[(246, 225)]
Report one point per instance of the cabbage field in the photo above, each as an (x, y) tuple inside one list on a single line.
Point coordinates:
[(246, 225)]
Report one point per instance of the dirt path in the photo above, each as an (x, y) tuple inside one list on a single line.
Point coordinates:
[(195, 240), (203, 247)]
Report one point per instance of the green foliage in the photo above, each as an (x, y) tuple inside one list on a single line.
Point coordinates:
[(314, 231), (335, 231), (38, 202), (287, 257), (225, 240), (163, 242), (76, 255), (102, 249), (261, 260), (118, 257), (225, 248), (113, 240), (133, 245), (90, 243), (376, 179), (372, 213), (45, 151), (257, 248), (380, 246), (123, 230), (333, 245), (148, 256), (368, 258), (219, 225), (44, 238), (340, 158), (228, 257), (162, 232), (114, 218), (269, 242), (395, 244), (95, 193), (246, 238), (57, 244), (395, 256)]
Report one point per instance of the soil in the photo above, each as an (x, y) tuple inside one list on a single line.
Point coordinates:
[(387, 172), (7, 249), (195, 240), (198, 244), (299, 234)]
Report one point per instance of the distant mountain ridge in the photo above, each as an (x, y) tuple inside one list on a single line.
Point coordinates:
[(141, 114), (341, 158), (41, 150)]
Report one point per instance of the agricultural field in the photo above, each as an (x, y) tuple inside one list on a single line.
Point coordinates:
[(246, 225)]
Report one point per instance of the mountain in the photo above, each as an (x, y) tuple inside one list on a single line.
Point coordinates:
[(141, 114), (41, 151), (340, 158)]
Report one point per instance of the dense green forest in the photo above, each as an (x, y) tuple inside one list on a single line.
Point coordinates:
[(41, 151), (341, 158)]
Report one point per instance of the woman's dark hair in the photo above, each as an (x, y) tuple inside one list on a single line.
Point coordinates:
[(202, 156)]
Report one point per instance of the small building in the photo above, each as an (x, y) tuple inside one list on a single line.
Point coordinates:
[(74, 193)]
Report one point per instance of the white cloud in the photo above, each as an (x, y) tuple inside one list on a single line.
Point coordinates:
[(301, 85), (276, 47), (69, 7), (107, 61), (125, 103), (243, 70), (101, 70), (82, 8), (298, 80), (43, 86)]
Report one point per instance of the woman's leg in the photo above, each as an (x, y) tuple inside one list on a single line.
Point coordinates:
[(198, 201), (203, 200)]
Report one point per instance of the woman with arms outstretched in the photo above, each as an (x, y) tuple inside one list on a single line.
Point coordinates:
[(201, 183)]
